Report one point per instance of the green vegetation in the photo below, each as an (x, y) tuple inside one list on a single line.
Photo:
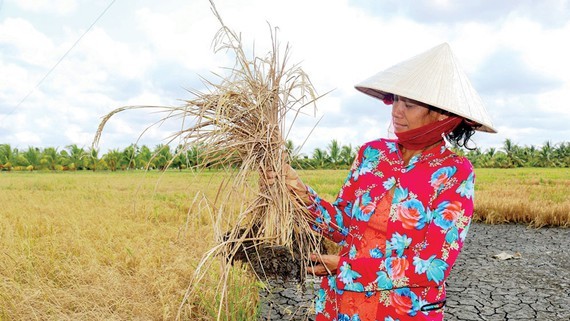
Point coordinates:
[(334, 156)]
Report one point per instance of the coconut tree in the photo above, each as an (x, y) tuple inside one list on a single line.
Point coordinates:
[(180, 158), (334, 153), (193, 155), (93, 161), (76, 157), (129, 157), (144, 158), (512, 150), (162, 156), (113, 159), (347, 154), (51, 158), (545, 155), (563, 154), (33, 157), (320, 157), (7, 156), (474, 156)]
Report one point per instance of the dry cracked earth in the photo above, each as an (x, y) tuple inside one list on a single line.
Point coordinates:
[(533, 285), (532, 281)]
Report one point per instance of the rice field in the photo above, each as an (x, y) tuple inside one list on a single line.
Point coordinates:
[(124, 245)]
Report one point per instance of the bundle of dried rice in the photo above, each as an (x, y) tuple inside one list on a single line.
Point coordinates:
[(242, 122)]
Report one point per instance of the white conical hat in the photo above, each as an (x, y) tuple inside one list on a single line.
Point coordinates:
[(435, 78)]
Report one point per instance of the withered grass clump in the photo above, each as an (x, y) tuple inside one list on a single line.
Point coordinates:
[(243, 122)]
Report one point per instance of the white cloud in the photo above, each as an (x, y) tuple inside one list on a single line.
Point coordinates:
[(147, 52), (24, 43), (61, 7)]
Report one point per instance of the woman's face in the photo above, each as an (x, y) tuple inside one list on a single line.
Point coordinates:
[(408, 114)]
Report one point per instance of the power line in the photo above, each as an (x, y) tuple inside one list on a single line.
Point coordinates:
[(59, 61)]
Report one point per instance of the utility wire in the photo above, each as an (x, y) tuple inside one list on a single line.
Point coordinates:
[(59, 61)]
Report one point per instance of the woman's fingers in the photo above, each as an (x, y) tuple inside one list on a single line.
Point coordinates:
[(318, 270), (326, 264), (270, 177), (291, 180)]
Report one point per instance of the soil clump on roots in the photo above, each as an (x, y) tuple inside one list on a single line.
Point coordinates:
[(274, 261)]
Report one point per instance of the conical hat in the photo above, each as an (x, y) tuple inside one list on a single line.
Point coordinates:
[(435, 78)]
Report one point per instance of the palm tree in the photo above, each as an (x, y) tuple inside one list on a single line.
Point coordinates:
[(113, 159), (545, 155), (33, 157), (320, 157), (144, 158), (474, 156), (347, 154), (77, 157), (562, 153), (528, 156), (512, 150), (334, 152), (180, 158), (129, 156), (93, 161), (51, 158), (162, 156), (7, 156)]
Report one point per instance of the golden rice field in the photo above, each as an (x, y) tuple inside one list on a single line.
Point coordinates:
[(123, 246)]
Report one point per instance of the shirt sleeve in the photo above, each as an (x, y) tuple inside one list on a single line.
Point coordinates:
[(332, 220)]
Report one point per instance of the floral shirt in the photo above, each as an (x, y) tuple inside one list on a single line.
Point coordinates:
[(430, 213)]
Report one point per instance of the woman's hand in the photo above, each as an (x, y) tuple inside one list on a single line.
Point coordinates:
[(292, 181), (326, 264)]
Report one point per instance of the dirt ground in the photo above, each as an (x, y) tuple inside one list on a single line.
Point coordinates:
[(531, 281), (533, 285)]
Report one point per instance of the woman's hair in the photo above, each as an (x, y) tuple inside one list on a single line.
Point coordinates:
[(461, 135)]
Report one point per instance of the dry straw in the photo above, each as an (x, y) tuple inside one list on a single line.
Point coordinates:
[(243, 122)]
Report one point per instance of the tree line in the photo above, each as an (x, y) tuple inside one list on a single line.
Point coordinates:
[(333, 156)]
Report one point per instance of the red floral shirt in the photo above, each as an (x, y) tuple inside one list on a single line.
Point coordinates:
[(430, 212)]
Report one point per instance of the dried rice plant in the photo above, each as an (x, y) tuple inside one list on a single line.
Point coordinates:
[(242, 122)]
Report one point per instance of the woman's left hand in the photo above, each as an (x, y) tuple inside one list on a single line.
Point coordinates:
[(326, 264)]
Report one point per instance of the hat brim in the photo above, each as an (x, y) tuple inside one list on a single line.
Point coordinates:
[(382, 94), (434, 78)]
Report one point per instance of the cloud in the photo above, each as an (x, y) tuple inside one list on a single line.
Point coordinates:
[(552, 13), (21, 41), (504, 72), (61, 7), (150, 52)]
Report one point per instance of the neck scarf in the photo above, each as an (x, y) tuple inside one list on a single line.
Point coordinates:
[(422, 137)]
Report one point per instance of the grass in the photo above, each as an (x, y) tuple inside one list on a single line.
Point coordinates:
[(105, 246), (538, 197), (124, 246)]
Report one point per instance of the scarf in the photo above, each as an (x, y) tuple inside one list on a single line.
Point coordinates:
[(422, 137)]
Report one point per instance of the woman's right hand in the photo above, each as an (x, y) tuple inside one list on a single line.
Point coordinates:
[(293, 182)]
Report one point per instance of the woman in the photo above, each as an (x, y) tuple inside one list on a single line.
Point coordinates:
[(404, 210)]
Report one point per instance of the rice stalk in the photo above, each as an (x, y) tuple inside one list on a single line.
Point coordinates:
[(241, 123)]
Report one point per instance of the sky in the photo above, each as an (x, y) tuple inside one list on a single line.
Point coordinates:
[(64, 64)]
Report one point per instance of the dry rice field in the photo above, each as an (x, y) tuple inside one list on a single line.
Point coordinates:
[(124, 246)]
